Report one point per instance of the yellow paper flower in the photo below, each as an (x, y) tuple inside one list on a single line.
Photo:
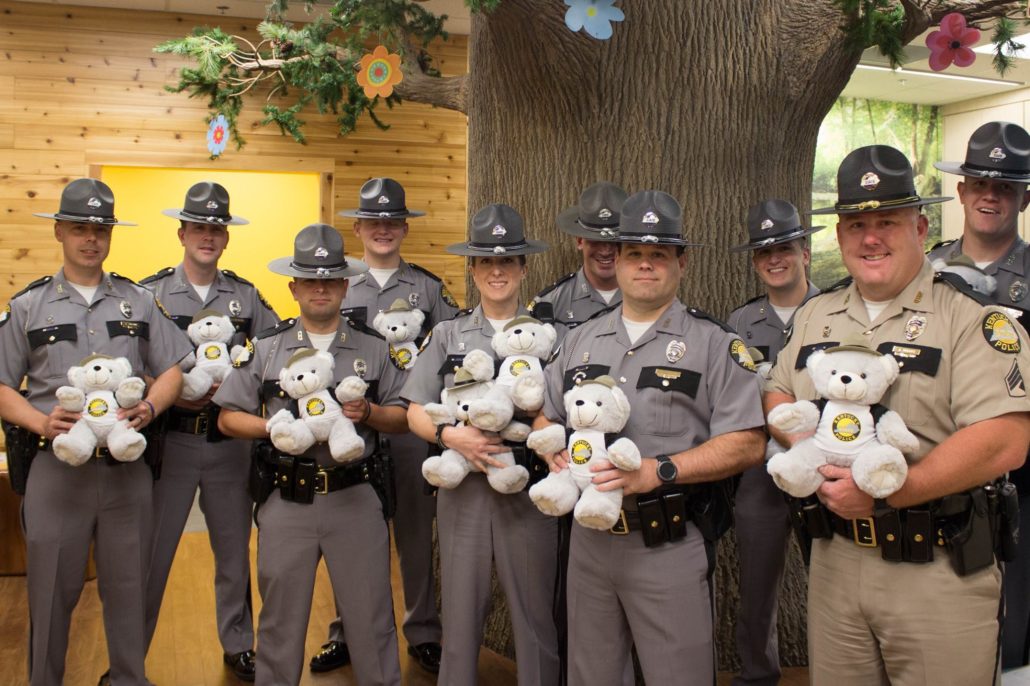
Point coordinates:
[(379, 72)]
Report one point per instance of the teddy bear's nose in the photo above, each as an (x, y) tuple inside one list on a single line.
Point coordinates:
[(464, 408), (845, 379), (97, 367), (300, 377), (393, 328), (580, 403), (517, 332)]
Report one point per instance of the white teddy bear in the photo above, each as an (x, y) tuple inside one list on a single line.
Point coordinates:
[(480, 403), (99, 386), (400, 324), (211, 332), (593, 408), (851, 430), (306, 378), (963, 266), (523, 346)]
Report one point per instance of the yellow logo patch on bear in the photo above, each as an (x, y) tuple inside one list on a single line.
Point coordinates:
[(1000, 333), (581, 452), (846, 427), (518, 366), (315, 407), (97, 407), (740, 355), (401, 358), (212, 352)]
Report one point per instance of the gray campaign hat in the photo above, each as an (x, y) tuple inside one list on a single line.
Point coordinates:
[(875, 178), (596, 215), (771, 222), (652, 217), (496, 230), (318, 254), (206, 203), (86, 201), (996, 150), (381, 198)]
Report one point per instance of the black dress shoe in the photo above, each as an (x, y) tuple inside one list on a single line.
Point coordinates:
[(427, 655), (242, 664), (333, 655)]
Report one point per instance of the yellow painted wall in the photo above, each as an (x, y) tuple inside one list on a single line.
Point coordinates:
[(278, 205)]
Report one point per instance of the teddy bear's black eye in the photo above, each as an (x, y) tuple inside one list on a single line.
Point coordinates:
[(833, 372), (861, 376), (599, 403)]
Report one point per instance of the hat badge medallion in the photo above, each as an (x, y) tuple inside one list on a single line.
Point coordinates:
[(650, 218), (383, 200), (604, 213), (997, 154), (93, 202), (499, 230), (321, 253), (766, 224), (869, 181), (211, 205)]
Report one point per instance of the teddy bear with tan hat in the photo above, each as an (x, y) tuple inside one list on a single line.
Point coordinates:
[(400, 324)]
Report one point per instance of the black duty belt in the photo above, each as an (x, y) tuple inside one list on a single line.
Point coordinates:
[(629, 520), (196, 423), (299, 479), (903, 535)]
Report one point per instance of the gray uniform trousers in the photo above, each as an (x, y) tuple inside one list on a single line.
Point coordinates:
[(762, 524), (413, 536), (1015, 633), (346, 528), (220, 470), (621, 593), (477, 526), (112, 507)]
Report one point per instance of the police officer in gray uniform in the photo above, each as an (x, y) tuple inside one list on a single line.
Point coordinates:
[(477, 525), (696, 418), (780, 257), (576, 297), (381, 225), (321, 509), (993, 193), (198, 455), (49, 327)]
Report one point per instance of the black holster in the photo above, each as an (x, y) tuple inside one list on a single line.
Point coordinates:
[(22, 446), (1003, 501), (262, 471), (810, 520), (968, 535), (711, 507), (383, 477), (153, 454)]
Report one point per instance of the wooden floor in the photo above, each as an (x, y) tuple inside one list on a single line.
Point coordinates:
[(186, 651)]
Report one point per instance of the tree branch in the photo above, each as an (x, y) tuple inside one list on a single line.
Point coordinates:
[(919, 16), (449, 92)]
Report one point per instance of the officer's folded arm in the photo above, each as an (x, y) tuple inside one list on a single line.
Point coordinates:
[(14, 408), (390, 419), (240, 424), (473, 444)]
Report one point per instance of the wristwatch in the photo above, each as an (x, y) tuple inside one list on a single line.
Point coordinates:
[(667, 471)]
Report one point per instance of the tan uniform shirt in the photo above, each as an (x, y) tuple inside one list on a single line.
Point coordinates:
[(960, 362)]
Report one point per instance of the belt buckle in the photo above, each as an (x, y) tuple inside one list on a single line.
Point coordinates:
[(200, 424), (621, 527), (321, 482), (863, 531)]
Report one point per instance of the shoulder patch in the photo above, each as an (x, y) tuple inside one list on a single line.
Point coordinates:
[(35, 284), (960, 285), (425, 271), (284, 325), (554, 285), (425, 341), (164, 273), (699, 314), (246, 356), (236, 277), (365, 328), (740, 355), (161, 308), (1000, 333), (446, 296), (5, 315)]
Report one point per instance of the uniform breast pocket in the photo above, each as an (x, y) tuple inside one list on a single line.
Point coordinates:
[(57, 346), (915, 391), (665, 395), (127, 339)]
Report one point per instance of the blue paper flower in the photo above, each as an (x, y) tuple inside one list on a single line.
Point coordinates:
[(596, 16), (217, 135)]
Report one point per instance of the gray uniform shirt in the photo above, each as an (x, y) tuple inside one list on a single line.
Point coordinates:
[(758, 324), (420, 287), (569, 302), (357, 351), (687, 378), (1012, 273), (230, 294), (444, 351), (49, 328)]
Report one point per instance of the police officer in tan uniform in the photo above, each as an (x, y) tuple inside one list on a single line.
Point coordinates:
[(993, 193), (381, 224), (50, 326), (198, 456), (696, 417), (780, 257), (908, 591), (478, 526), (574, 298), (334, 512)]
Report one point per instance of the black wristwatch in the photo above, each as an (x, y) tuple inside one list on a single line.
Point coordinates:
[(439, 436), (667, 471)]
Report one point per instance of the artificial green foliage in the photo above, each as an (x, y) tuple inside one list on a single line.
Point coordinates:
[(294, 67), (1005, 44)]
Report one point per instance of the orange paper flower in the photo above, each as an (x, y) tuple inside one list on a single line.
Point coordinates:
[(379, 72)]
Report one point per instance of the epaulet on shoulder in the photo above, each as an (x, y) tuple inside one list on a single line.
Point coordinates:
[(752, 300), (600, 313), (960, 285), (236, 277), (941, 244), (843, 283), (701, 314), (116, 275), (555, 285), (35, 284), (164, 273), (364, 328), (425, 271), (277, 329), (462, 313)]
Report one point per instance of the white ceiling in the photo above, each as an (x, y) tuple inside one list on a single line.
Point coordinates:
[(915, 83)]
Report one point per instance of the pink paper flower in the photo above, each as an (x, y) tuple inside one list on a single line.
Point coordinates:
[(951, 43)]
